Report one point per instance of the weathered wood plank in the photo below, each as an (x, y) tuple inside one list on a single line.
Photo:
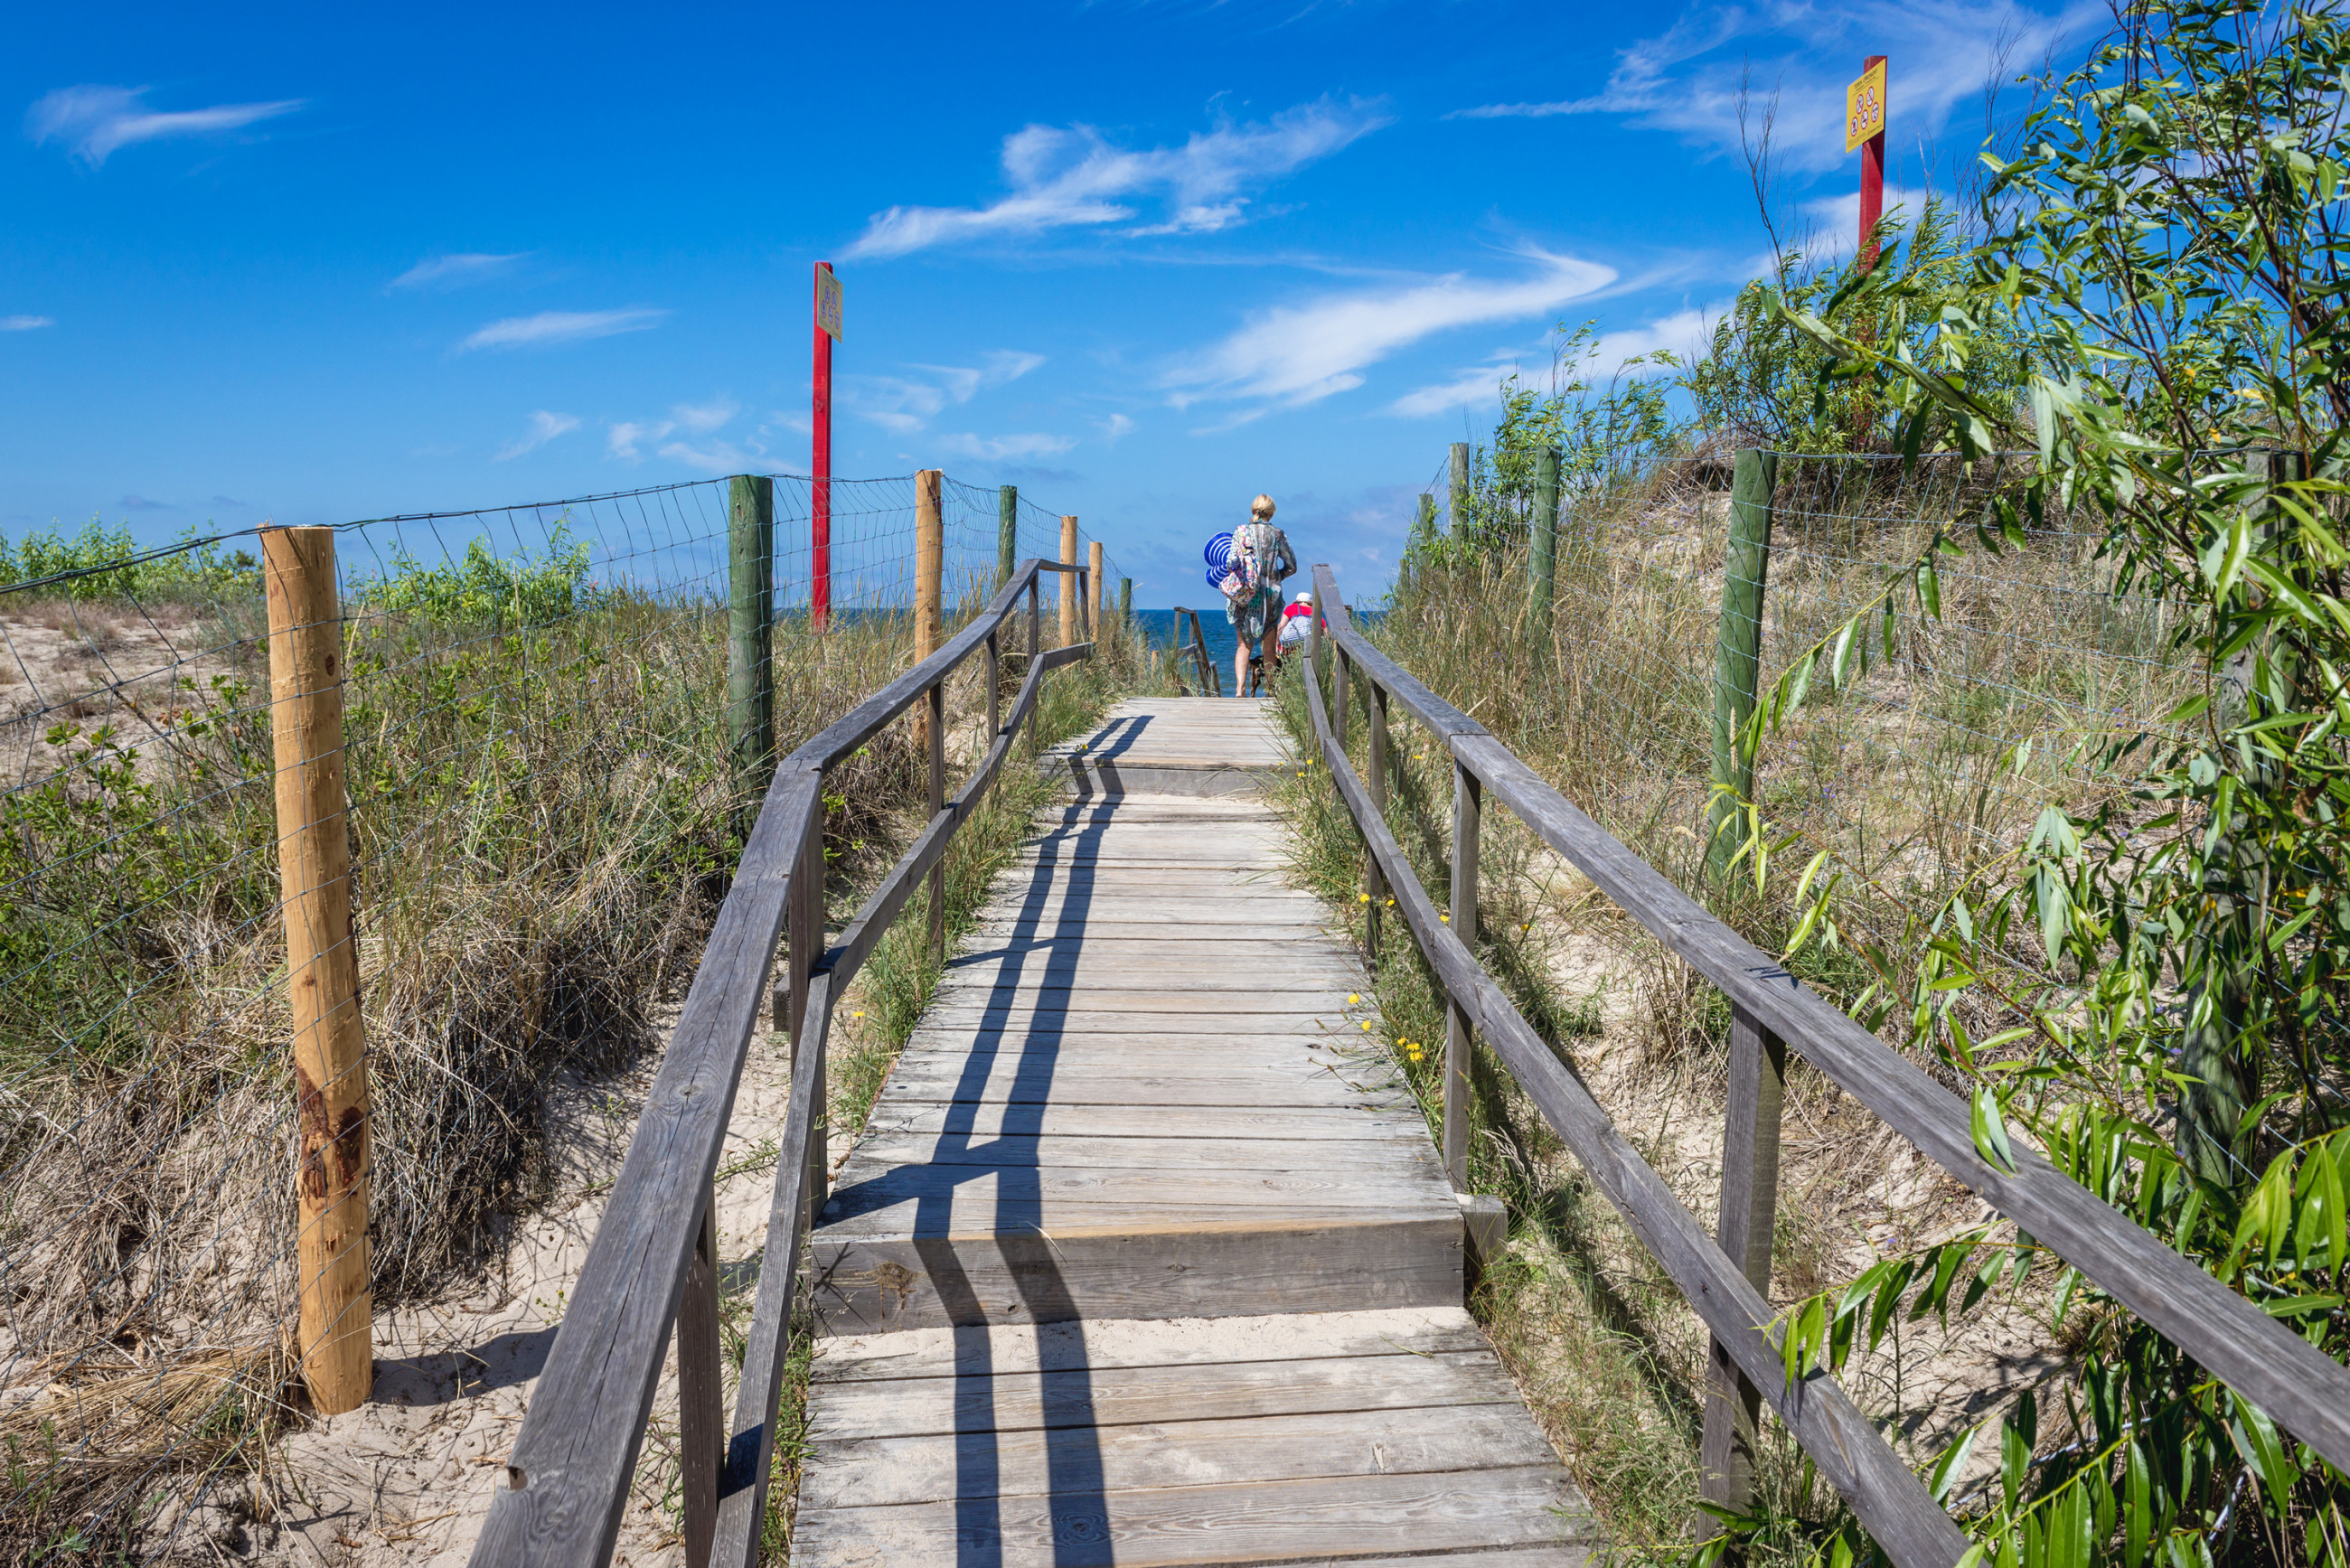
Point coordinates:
[(1287, 1124), (1277, 1521)]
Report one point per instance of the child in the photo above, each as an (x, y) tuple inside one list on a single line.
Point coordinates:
[(1297, 620)]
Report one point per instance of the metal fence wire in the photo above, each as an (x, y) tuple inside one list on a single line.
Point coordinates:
[(540, 830)]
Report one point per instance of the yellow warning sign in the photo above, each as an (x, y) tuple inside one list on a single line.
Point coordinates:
[(1863, 107)]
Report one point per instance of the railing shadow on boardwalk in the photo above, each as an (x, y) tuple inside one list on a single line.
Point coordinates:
[(1080, 1520)]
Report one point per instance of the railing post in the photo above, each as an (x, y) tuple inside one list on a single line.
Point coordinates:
[(938, 725), (1007, 533), (1375, 881), (1750, 1197), (1094, 590), (807, 937), (1033, 618), (1338, 714), (322, 967), (700, 1392), (749, 641), (1541, 553), (1066, 591), (994, 691), (1744, 566), (1468, 800)]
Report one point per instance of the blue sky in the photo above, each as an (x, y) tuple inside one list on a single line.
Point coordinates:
[(1142, 259)]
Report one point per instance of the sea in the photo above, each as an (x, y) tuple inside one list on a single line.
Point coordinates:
[(1159, 628)]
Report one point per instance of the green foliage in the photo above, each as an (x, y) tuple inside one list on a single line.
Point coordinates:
[(197, 565), (1603, 436), (523, 590), (2176, 963), (1763, 381)]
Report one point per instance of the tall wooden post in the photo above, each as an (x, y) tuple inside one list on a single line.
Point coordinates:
[(827, 331), (1094, 588), (1068, 581), (1460, 487), (750, 640), (1007, 533), (306, 696), (1740, 653), (1037, 706), (1126, 603), (930, 569), (1375, 881), (1468, 803), (1541, 553), (1750, 1203)]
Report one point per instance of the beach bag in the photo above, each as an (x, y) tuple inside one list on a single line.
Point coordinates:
[(1247, 571)]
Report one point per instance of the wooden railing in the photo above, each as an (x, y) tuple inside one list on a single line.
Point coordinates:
[(1211, 681), (654, 1260), (1724, 1277)]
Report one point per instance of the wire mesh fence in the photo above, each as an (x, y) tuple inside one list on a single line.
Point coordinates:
[(1935, 759), (541, 824)]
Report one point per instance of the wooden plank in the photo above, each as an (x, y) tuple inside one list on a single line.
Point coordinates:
[(873, 1472), (867, 1188), (1279, 1520), (1185, 1342), (1014, 1080), (1398, 1159), (1288, 1123), (1178, 1268), (1197, 1023)]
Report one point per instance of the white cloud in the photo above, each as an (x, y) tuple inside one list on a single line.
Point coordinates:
[(1482, 384), (24, 323), (1116, 426), (96, 121), (904, 404), (456, 271), (1835, 232), (1300, 354), (552, 327), (1683, 332), (1073, 177), (1941, 53), (624, 438), (996, 449), (544, 427)]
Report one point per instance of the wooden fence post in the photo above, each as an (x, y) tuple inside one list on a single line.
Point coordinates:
[(930, 722), (1750, 1204), (1067, 590), (306, 695), (1468, 801), (1125, 602), (1037, 706), (1740, 654), (1460, 488), (750, 640), (700, 1391), (1541, 553), (1094, 592), (1007, 533)]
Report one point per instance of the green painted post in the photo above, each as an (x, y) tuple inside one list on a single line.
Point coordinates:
[(1745, 566), (749, 639), (1460, 487), (1543, 557), (1007, 533), (1125, 600)]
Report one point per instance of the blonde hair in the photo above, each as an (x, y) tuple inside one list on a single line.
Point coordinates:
[(1261, 507)]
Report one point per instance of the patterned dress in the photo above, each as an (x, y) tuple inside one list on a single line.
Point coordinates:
[(1268, 547)]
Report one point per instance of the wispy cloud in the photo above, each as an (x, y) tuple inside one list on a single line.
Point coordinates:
[(1300, 354), (95, 122), (907, 403), (549, 327), (1074, 177), (1835, 221), (996, 449), (457, 270), (544, 427), (1116, 426), (1942, 52), (627, 439), (24, 323), (1611, 354)]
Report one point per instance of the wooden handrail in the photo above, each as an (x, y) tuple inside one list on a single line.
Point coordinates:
[(1211, 684), (2303, 1389), (567, 1477)]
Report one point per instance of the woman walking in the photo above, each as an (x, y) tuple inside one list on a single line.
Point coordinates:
[(1261, 561)]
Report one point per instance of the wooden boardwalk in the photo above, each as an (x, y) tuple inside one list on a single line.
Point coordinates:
[(1144, 1256)]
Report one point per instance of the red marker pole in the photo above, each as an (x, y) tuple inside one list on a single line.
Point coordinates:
[(827, 292), (1872, 181)]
